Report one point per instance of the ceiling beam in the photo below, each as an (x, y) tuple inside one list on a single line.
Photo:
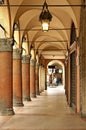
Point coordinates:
[(51, 49), (27, 5), (52, 54), (48, 41), (41, 29)]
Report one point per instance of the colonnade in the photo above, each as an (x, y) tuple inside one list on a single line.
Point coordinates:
[(19, 77)]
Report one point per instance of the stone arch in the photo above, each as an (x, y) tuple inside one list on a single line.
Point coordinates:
[(5, 18), (2, 32), (52, 62)]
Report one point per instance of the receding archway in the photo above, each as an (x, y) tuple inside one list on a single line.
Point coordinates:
[(55, 73)]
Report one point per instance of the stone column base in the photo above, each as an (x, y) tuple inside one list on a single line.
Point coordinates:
[(83, 115), (7, 112), (33, 95), (38, 93), (18, 104), (27, 99)]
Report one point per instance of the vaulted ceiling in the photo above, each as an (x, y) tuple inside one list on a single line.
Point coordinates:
[(54, 43)]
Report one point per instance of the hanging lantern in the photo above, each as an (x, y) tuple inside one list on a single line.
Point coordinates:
[(45, 17)]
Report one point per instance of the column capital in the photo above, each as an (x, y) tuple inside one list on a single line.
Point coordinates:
[(26, 58), (33, 62), (40, 65), (37, 64), (17, 53), (6, 45)]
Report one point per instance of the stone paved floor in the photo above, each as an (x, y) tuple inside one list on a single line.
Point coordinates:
[(46, 112)]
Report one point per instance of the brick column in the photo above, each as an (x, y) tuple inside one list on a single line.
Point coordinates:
[(17, 78), (26, 77), (66, 77), (68, 69), (46, 78), (32, 78), (40, 78), (43, 78), (6, 95), (82, 41), (78, 79), (37, 79)]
